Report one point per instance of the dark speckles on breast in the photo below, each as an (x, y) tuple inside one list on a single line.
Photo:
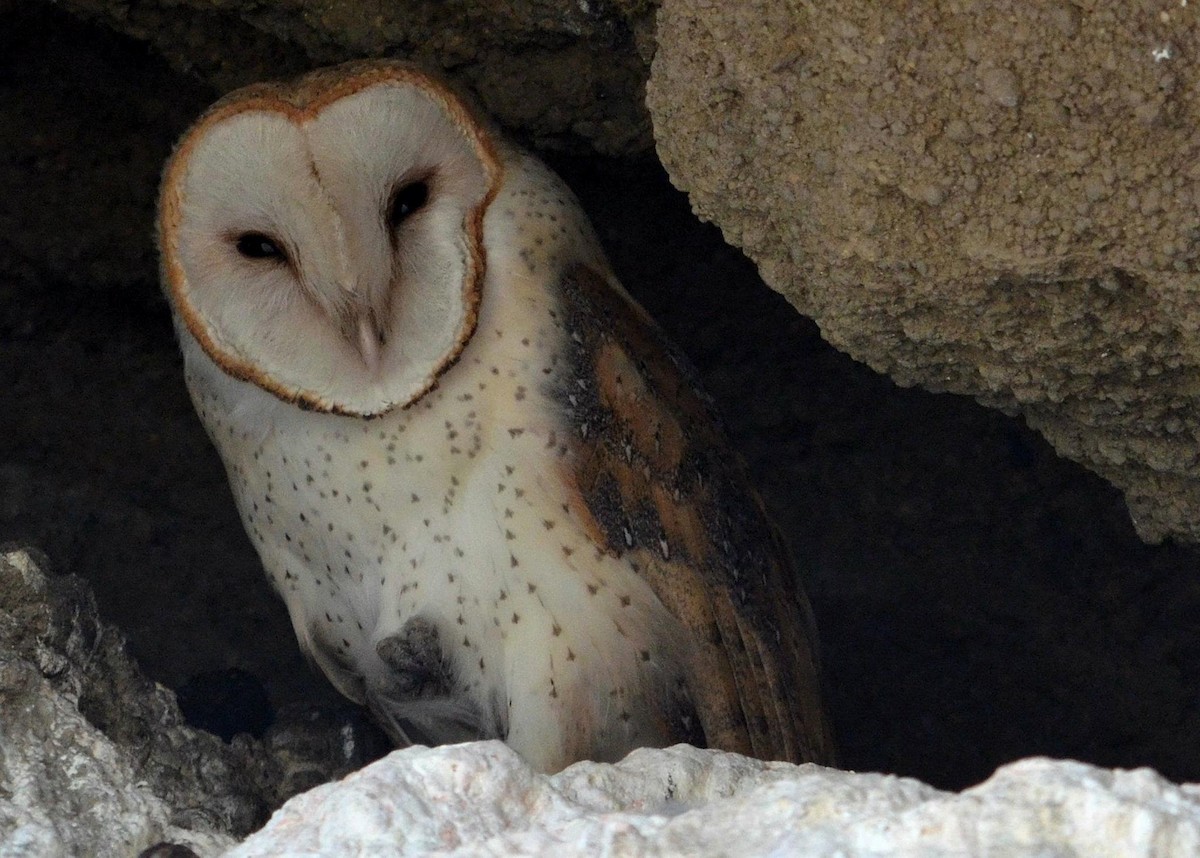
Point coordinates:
[(527, 360)]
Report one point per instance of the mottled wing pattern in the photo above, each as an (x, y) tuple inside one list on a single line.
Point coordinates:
[(664, 490)]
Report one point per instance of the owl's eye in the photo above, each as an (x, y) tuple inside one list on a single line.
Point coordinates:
[(406, 201), (255, 245)]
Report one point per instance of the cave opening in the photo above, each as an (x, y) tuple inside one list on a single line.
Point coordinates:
[(979, 599)]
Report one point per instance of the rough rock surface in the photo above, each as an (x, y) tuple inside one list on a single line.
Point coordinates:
[(96, 760), (978, 197), (481, 800), (554, 70), (66, 787)]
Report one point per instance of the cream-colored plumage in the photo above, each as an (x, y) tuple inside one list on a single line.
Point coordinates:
[(420, 408)]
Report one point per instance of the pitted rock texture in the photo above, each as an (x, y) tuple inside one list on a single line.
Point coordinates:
[(95, 759), (66, 786), (560, 71), (480, 799), (980, 197)]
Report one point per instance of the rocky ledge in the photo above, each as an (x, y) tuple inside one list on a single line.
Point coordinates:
[(96, 760), (480, 799)]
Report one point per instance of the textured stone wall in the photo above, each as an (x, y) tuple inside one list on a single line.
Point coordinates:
[(996, 199), (559, 72)]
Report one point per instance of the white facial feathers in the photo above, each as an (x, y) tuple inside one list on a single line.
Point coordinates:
[(330, 251)]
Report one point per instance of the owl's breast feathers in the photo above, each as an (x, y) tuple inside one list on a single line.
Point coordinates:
[(659, 485)]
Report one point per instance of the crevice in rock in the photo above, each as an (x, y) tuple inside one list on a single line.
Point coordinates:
[(979, 598)]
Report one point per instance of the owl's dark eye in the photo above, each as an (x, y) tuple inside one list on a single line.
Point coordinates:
[(255, 245), (406, 201)]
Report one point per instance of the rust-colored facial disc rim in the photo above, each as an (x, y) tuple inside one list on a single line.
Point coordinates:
[(301, 100)]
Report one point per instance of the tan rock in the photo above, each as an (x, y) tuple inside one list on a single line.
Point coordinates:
[(977, 198), (556, 70)]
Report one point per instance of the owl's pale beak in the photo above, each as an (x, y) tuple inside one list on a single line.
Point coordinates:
[(369, 342)]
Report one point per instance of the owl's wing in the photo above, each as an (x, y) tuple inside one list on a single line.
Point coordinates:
[(664, 490)]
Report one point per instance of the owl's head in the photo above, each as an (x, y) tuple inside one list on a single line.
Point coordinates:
[(323, 239)]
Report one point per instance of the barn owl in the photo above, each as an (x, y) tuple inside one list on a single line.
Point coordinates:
[(490, 494)]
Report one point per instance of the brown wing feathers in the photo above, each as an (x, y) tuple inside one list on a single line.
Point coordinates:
[(658, 480)]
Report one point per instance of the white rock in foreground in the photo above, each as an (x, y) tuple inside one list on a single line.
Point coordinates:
[(480, 799), (67, 789)]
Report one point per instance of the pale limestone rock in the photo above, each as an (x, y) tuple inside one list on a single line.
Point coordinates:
[(65, 788), (68, 789), (480, 799)]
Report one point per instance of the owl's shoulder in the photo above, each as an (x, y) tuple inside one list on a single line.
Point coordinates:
[(535, 228)]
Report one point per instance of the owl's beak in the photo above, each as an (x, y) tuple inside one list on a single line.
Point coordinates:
[(369, 342)]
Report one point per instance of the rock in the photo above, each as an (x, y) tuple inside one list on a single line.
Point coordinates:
[(480, 799), (312, 744), (66, 788), (1005, 208), (51, 626), (95, 759), (555, 70)]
